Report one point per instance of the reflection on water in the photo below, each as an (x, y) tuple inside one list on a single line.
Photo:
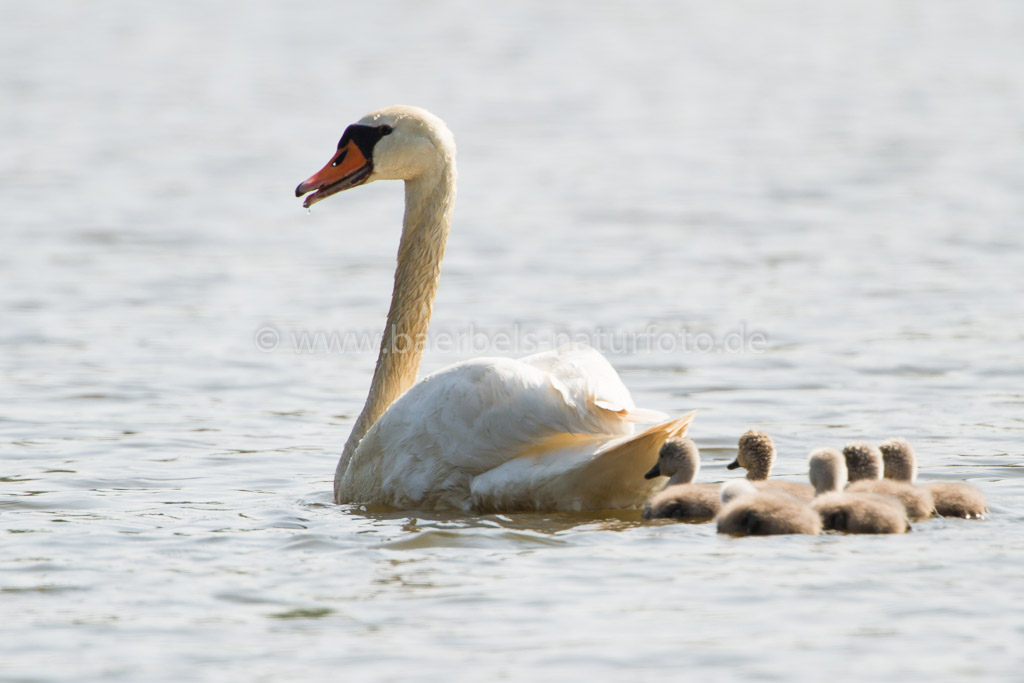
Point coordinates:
[(551, 523), (843, 177)]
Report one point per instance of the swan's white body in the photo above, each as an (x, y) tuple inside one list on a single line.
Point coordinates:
[(552, 431)]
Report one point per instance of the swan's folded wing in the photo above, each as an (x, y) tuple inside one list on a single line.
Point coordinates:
[(585, 474), (457, 423)]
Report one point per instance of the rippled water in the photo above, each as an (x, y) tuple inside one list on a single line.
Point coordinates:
[(845, 179)]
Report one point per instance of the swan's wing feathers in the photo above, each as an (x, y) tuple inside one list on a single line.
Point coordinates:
[(474, 416), (584, 475), (584, 371), (643, 415), (591, 382)]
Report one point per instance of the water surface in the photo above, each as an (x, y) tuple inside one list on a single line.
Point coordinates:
[(844, 179)]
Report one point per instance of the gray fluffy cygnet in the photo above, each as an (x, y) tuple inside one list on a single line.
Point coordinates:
[(679, 459), (756, 454), (950, 499), (858, 513), (749, 511), (864, 464)]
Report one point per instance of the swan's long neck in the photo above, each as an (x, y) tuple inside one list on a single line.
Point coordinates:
[(429, 200)]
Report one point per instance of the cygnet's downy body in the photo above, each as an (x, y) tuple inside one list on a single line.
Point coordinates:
[(858, 513), (864, 465), (679, 459), (749, 511), (950, 499), (756, 454)]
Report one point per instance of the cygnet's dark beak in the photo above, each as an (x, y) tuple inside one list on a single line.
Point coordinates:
[(654, 472), (733, 465)]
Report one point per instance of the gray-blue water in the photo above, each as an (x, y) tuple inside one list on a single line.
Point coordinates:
[(845, 179)]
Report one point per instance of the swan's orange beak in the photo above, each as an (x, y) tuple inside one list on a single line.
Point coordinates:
[(348, 168)]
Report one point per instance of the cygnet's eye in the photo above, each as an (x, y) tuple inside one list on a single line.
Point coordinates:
[(385, 129)]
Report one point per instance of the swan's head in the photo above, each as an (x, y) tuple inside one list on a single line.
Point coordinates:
[(827, 469), (394, 143), (863, 460), (755, 454), (679, 459), (900, 460)]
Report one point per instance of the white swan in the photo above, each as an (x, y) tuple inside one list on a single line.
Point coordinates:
[(553, 431)]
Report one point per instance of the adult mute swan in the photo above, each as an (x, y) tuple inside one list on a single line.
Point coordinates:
[(552, 431)]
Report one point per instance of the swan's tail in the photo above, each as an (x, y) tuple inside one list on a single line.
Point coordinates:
[(653, 437), (635, 455), (616, 474)]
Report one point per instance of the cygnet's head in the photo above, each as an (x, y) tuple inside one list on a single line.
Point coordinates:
[(755, 454), (678, 459), (735, 488), (863, 461), (394, 143), (827, 468), (900, 460)]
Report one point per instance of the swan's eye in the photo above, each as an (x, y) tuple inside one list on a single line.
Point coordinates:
[(386, 129)]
